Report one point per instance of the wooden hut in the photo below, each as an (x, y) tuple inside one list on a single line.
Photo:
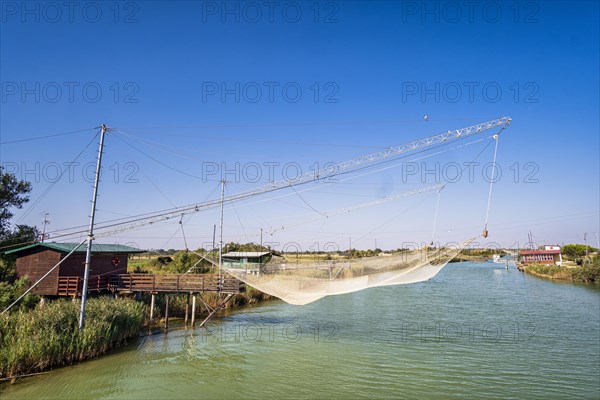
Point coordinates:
[(37, 259), (250, 261)]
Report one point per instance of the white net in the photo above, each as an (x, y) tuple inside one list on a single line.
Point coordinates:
[(302, 282)]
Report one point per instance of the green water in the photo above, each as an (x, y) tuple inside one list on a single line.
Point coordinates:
[(475, 331)]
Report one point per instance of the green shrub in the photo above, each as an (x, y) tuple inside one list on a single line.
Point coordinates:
[(589, 273), (10, 292)]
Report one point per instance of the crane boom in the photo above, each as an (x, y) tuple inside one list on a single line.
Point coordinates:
[(324, 173)]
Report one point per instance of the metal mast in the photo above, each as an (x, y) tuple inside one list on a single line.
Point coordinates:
[(221, 228), (88, 253)]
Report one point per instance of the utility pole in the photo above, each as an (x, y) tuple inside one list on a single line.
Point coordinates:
[(261, 229), (45, 222), (88, 253), (221, 228), (586, 246)]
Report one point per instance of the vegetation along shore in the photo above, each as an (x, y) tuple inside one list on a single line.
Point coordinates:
[(589, 273), (581, 263)]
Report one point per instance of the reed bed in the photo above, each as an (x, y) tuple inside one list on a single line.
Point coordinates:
[(35, 340), (589, 273)]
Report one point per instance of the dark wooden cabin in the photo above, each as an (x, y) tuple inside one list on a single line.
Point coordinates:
[(37, 259)]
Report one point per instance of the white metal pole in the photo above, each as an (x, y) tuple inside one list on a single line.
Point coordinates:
[(221, 228), (152, 301), (88, 253)]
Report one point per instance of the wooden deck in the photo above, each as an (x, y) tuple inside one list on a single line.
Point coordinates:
[(127, 283)]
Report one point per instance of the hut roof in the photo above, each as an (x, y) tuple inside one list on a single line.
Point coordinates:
[(68, 247), (245, 254)]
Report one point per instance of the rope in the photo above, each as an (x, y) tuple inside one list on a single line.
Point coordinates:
[(332, 213), (157, 188), (390, 220), (203, 257), (46, 136), (489, 202), (305, 202), (161, 162), (49, 188), (238, 217), (437, 208)]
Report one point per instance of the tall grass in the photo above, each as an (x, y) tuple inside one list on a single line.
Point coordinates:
[(589, 273), (38, 339), (32, 341)]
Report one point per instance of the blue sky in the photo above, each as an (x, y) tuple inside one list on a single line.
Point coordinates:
[(194, 85)]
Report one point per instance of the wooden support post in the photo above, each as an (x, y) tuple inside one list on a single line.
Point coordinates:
[(187, 309), (193, 310), (166, 311), (152, 300)]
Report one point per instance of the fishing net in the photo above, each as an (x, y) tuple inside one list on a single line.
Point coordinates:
[(302, 282)]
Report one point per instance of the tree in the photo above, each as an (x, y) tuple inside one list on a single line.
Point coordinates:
[(573, 251), (232, 246), (13, 194), (21, 234), (183, 261)]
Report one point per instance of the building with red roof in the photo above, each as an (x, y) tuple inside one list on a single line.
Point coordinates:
[(548, 255)]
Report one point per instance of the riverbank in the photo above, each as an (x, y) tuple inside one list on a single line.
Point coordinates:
[(469, 258), (584, 274), (477, 255)]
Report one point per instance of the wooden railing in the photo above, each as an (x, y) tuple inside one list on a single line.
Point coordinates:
[(175, 283), (69, 285), (73, 285)]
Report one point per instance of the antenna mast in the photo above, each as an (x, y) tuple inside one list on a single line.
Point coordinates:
[(88, 253), (45, 222)]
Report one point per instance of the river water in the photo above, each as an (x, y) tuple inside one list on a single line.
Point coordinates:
[(475, 331)]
